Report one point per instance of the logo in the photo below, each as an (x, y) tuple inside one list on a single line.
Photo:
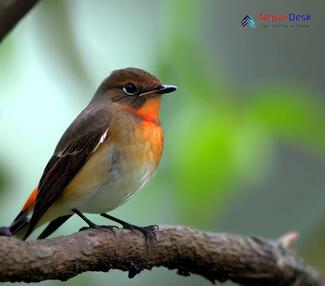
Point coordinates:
[(286, 20), (284, 17), (248, 21)]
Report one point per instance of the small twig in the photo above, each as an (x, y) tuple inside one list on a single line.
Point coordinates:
[(288, 239), (11, 11), (221, 257)]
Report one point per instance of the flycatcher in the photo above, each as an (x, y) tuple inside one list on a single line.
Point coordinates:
[(106, 155)]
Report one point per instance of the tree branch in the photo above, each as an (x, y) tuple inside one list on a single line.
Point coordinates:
[(11, 11), (245, 260)]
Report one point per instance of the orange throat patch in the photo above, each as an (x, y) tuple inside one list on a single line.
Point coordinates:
[(149, 111)]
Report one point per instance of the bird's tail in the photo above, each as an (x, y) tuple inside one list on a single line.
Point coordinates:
[(19, 226)]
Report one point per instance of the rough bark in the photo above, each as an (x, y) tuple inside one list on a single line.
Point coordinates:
[(217, 257), (11, 11)]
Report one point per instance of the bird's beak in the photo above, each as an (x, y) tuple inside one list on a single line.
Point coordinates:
[(165, 88)]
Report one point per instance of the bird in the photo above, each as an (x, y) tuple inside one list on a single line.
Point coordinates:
[(108, 153)]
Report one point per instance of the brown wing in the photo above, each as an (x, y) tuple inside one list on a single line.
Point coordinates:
[(71, 154)]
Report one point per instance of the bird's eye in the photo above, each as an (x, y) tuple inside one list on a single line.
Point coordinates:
[(130, 88)]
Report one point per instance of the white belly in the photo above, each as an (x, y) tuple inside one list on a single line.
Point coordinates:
[(116, 192), (101, 190)]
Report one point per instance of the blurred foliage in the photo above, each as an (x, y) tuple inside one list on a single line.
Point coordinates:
[(292, 114), (7, 50), (224, 137), (5, 178), (316, 246), (220, 139), (60, 48)]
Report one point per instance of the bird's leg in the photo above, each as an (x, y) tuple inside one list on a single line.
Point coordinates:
[(147, 231), (90, 223)]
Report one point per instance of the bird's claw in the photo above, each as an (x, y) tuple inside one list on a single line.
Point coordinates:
[(149, 232)]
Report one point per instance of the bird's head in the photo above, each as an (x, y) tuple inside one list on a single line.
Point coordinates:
[(135, 90)]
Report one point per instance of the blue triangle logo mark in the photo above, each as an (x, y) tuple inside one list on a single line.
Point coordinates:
[(248, 22)]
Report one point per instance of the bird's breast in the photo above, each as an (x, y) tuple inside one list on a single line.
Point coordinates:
[(124, 162), (141, 142)]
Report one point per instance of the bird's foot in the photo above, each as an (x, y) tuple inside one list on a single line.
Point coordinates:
[(149, 232), (96, 226), (5, 231), (92, 225)]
